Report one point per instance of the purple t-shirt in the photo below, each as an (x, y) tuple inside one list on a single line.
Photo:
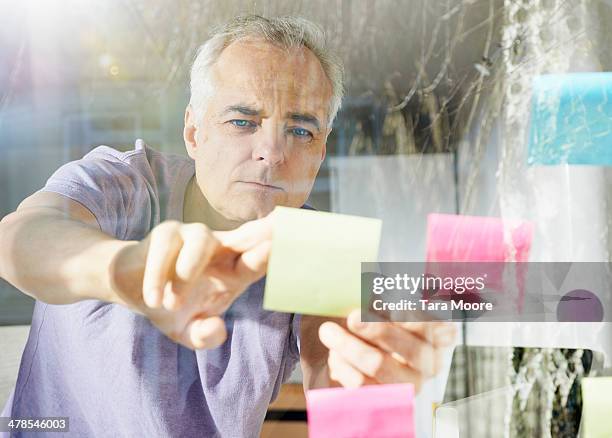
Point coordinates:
[(112, 372)]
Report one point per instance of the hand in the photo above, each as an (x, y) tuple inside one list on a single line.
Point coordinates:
[(182, 276), (367, 353)]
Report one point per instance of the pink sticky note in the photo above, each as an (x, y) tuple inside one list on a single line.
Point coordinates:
[(375, 411), (452, 238)]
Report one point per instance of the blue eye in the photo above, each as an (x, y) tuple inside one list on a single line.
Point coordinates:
[(240, 123), (301, 132)]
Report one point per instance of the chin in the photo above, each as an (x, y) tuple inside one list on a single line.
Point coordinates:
[(260, 206), (251, 207), (251, 211)]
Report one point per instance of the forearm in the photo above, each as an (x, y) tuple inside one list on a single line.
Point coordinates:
[(56, 259)]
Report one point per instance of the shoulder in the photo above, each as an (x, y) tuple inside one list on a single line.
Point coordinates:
[(142, 158), (125, 190), (139, 166)]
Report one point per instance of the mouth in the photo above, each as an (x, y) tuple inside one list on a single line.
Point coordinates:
[(261, 186)]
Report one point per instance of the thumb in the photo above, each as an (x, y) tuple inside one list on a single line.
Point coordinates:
[(252, 264), (248, 235)]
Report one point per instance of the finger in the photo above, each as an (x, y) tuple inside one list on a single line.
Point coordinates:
[(235, 276), (444, 336), (252, 264), (198, 247), (216, 303), (370, 360), (247, 236), (439, 333), (424, 329), (177, 294), (171, 299), (343, 373), (402, 345), (164, 246), (204, 333)]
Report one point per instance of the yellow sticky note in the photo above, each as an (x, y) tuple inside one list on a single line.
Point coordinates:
[(596, 407), (315, 263)]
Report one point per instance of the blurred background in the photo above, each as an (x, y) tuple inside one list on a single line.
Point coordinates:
[(435, 119)]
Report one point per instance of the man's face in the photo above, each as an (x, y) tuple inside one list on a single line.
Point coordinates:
[(262, 136)]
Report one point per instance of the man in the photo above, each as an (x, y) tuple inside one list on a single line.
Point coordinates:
[(147, 268)]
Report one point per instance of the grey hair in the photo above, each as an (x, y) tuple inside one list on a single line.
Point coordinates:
[(285, 32)]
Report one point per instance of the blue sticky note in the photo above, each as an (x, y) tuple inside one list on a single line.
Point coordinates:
[(571, 119)]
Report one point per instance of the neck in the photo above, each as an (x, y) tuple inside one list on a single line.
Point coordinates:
[(196, 208)]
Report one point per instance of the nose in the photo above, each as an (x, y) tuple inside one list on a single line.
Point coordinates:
[(270, 144)]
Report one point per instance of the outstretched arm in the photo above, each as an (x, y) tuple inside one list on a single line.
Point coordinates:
[(181, 276)]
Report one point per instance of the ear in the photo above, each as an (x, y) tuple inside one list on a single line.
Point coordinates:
[(189, 132)]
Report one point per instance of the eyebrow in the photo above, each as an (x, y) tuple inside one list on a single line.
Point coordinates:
[(250, 111), (305, 118), (242, 109)]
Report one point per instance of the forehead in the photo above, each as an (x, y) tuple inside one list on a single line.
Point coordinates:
[(258, 70)]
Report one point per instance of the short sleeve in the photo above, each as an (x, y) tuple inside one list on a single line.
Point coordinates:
[(113, 191), (293, 349)]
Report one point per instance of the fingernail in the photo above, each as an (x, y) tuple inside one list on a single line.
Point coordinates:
[(170, 301), (326, 331), (150, 298)]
